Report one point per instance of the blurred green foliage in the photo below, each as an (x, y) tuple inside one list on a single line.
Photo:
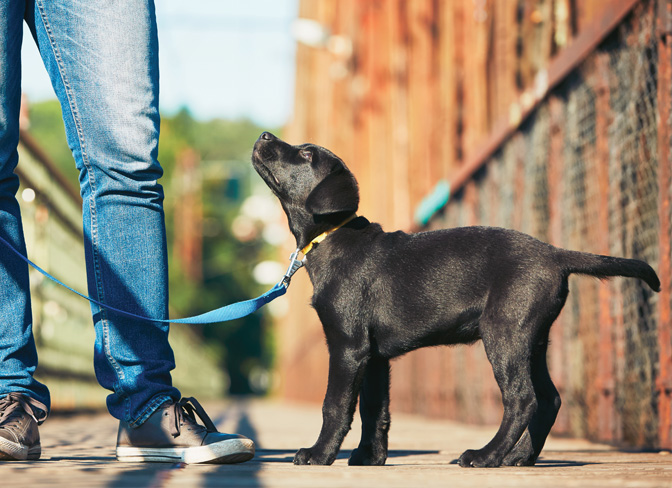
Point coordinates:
[(226, 178)]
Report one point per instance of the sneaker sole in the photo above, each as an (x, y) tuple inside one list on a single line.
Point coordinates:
[(225, 452), (16, 452)]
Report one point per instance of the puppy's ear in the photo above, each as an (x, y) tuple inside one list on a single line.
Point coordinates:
[(335, 194)]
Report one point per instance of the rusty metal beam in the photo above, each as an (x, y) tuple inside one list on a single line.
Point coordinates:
[(36, 151), (49, 203)]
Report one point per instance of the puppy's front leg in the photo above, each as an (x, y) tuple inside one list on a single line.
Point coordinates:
[(346, 369), (374, 408)]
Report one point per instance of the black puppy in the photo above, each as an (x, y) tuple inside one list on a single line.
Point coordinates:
[(380, 295)]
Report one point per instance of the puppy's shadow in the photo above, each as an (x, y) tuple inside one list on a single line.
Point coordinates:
[(561, 463), (405, 453), (287, 455), (274, 455), (549, 463)]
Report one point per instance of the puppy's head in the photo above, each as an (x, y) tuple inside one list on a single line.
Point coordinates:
[(308, 179)]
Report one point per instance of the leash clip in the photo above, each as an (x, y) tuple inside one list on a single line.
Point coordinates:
[(294, 265)]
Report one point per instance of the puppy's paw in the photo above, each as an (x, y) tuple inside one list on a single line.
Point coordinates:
[(522, 453), (478, 459), (303, 456), (309, 456), (519, 457), (366, 457)]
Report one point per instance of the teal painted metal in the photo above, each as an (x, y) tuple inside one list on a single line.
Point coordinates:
[(432, 203)]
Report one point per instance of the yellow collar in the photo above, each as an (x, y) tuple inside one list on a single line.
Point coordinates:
[(324, 235)]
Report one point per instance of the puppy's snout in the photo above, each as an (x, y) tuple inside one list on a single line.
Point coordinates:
[(266, 136), (263, 148)]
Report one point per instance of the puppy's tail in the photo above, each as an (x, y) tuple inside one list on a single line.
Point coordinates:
[(606, 266)]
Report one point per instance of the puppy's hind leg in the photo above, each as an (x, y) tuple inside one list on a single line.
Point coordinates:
[(526, 452), (510, 361), (374, 409)]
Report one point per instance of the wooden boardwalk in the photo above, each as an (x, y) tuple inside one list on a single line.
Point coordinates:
[(79, 451)]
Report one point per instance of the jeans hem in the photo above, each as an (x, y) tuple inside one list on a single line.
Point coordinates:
[(151, 407)]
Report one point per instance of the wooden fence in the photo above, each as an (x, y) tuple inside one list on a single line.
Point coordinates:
[(549, 116)]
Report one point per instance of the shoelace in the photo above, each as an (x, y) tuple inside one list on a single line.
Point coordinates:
[(184, 410), (12, 402)]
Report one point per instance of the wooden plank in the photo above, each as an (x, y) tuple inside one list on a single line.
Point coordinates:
[(363, 94), (605, 373), (525, 47), (378, 110), (341, 76), (557, 359), (401, 208), (475, 89), (420, 86), (448, 104)]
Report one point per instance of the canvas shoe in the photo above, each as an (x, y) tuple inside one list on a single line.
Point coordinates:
[(19, 417), (172, 435)]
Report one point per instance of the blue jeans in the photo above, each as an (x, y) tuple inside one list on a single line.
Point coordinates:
[(102, 57)]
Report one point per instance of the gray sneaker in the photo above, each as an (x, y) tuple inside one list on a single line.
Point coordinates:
[(172, 435), (19, 417)]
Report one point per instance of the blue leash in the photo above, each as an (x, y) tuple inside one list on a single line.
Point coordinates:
[(223, 314)]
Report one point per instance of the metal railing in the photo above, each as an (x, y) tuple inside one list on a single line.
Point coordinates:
[(52, 219)]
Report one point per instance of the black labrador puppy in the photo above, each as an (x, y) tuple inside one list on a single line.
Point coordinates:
[(381, 294)]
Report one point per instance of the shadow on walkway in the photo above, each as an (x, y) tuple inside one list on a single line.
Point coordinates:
[(154, 475)]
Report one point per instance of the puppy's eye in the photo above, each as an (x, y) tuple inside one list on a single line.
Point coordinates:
[(306, 154)]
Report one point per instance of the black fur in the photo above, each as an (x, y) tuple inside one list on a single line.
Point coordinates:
[(380, 295)]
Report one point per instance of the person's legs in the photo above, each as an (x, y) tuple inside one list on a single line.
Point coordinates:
[(102, 58), (18, 357), (24, 402)]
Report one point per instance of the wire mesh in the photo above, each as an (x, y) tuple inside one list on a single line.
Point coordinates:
[(517, 188)]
